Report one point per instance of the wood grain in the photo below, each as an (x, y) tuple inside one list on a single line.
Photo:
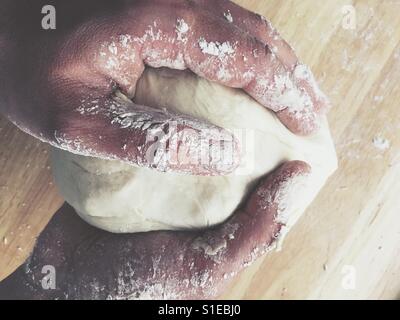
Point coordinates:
[(354, 224)]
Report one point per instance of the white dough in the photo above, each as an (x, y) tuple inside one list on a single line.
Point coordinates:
[(118, 197)]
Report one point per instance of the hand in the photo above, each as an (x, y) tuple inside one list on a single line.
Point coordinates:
[(61, 85), (93, 264)]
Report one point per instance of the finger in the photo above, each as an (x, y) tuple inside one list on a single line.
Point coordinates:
[(300, 121), (258, 227), (255, 24), (185, 37), (113, 127), (278, 189)]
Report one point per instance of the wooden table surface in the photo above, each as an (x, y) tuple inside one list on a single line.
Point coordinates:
[(347, 244)]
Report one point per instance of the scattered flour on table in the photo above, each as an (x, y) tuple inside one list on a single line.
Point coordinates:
[(381, 143)]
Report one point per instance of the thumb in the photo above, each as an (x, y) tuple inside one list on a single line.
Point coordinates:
[(118, 129), (262, 220)]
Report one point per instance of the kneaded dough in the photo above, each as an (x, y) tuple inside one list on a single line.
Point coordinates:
[(122, 198)]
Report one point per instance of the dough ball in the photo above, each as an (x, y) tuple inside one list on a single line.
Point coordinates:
[(122, 198)]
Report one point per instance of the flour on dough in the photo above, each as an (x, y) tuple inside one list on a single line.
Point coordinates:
[(121, 198)]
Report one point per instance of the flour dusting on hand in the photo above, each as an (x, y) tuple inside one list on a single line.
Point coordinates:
[(216, 48), (181, 29)]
